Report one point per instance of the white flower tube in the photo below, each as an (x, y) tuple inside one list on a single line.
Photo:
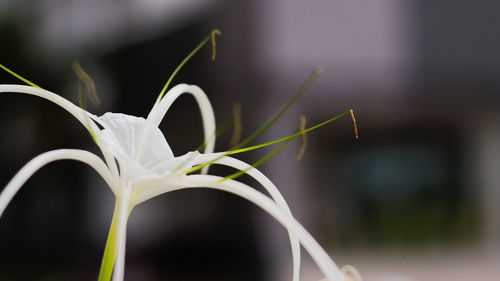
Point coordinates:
[(123, 212)]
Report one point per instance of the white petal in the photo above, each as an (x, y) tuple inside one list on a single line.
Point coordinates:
[(159, 110), (43, 159), (127, 130), (197, 159), (120, 136), (160, 174), (77, 112), (270, 188), (318, 254)]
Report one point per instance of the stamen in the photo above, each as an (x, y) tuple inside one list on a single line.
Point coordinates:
[(212, 37), (302, 125), (81, 95), (87, 82), (286, 138), (235, 151), (258, 163), (302, 89), (19, 77), (354, 122), (188, 57), (237, 125), (303, 138)]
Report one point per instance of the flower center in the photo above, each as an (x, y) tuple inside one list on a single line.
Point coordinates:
[(120, 137)]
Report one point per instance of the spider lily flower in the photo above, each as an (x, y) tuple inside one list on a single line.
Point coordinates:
[(148, 168), (138, 165)]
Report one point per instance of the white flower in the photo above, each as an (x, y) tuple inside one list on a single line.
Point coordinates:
[(138, 165)]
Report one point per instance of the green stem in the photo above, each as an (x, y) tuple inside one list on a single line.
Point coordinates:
[(108, 258)]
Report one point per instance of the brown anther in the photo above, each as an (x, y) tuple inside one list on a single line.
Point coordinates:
[(354, 122), (235, 139), (88, 82), (212, 38), (303, 138)]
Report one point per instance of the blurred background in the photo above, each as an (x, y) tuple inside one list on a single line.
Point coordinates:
[(415, 198)]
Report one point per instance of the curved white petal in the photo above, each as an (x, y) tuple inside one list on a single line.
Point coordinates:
[(43, 159), (77, 112), (80, 114), (160, 109), (318, 254), (270, 188)]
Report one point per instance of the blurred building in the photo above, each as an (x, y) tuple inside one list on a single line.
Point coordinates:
[(420, 185)]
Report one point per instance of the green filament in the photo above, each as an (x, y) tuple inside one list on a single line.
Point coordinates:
[(19, 77), (237, 127), (188, 57), (36, 86), (240, 150), (81, 96), (219, 131), (302, 89), (258, 163), (287, 137)]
